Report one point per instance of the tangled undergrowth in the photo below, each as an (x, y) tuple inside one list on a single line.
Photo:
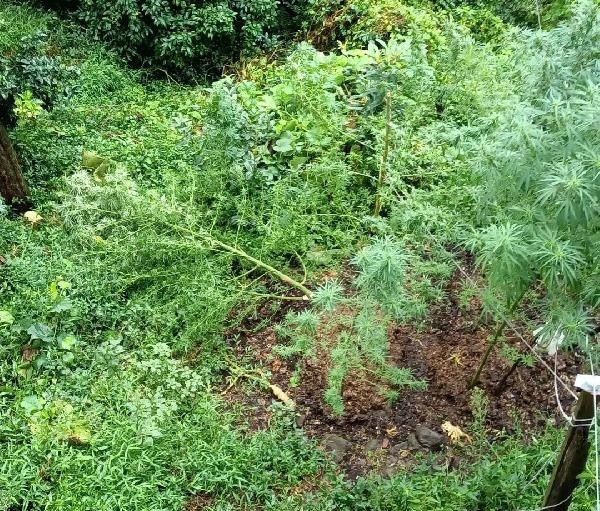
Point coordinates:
[(347, 179)]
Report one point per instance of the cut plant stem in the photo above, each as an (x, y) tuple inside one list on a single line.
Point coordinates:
[(213, 242), (257, 376), (499, 329), (385, 153), (282, 276), (502, 383)]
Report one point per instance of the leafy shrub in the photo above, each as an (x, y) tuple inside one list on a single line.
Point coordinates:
[(483, 23), (540, 187), (186, 36), (347, 328), (30, 68), (519, 12), (356, 22)]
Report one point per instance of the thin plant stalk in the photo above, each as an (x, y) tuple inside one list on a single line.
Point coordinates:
[(385, 153), (502, 383), (496, 337)]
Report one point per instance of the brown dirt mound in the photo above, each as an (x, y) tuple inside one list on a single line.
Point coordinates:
[(444, 352)]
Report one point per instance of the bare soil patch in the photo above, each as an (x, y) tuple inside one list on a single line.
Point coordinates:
[(198, 502), (444, 351)]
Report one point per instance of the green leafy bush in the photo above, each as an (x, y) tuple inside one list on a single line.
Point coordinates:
[(347, 329), (519, 12), (31, 68), (356, 22), (186, 36), (539, 165), (118, 406)]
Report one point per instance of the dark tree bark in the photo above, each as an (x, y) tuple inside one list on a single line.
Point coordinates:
[(12, 184)]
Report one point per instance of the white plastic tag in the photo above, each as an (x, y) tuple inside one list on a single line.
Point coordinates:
[(589, 383)]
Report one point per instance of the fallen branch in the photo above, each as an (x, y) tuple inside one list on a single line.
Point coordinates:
[(214, 242)]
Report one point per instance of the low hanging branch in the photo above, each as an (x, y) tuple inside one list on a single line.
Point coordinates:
[(210, 241)]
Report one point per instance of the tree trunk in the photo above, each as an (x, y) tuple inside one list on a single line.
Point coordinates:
[(12, 184)]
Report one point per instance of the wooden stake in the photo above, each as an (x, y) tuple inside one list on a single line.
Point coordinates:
[(572, 458)]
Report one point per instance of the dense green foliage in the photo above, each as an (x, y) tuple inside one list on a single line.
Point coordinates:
[(184, 36), (188, 37), (359, 21), (170, 214), (520, 12), (538, 157), (29, 66)]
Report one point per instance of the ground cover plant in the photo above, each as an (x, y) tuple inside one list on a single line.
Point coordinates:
[(310, 283)]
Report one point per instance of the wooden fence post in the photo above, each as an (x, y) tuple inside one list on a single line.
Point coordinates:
[(573, 455)]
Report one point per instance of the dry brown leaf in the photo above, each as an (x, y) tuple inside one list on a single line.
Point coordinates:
[(455, 359), (276, 365), (282, 396), (455, 434)]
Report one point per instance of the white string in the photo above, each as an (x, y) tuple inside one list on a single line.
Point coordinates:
[(541, 469), (549, 507), (568, 418), (596, 453), (572, 421)]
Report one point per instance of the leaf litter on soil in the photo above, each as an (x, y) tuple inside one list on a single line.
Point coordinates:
[(443, 352)]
